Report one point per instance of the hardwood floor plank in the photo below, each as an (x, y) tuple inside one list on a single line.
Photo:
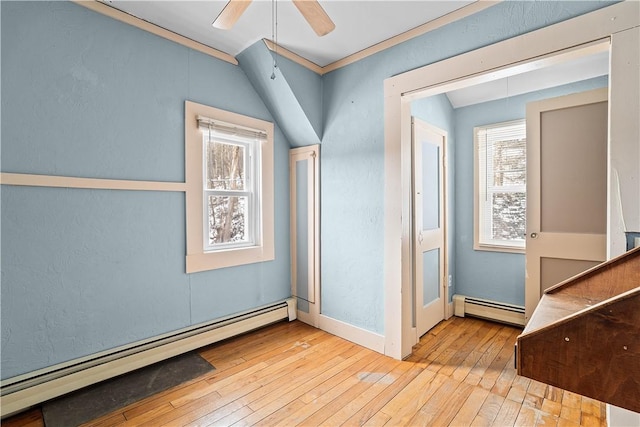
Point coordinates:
[(591, 406), (489, 355), (268, 402), (530, 416), (214, 416), (503, 361), (483, 343), (298, 377), (454, 349), (505, 379), (370, 409), (554, 393), (149, 415), (344, 405), (532, 400), (589, 420), (278, 332), (323, 393), (508, 413), (471, 407), (488, 411), (110, 420), (150, 404), (518, 389), (406, 405), (562, 422), (438, 343), (570, 414), (461, 373), (349, 389), (552, 407), (264, 384), (31, 418), (413, 396), (232, 418), (443, 405), (378, 420)]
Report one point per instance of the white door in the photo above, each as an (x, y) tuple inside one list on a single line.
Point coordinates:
[(566, 189), (429, 225), (305, 228)]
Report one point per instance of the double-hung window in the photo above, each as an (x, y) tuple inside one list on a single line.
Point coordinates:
[(500, 193), (231, 177), (229, 188)]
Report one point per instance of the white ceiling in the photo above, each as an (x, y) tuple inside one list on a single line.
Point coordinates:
[(359, 23), (578, 69)]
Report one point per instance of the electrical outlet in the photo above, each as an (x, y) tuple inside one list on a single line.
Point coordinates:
[(450, 280)]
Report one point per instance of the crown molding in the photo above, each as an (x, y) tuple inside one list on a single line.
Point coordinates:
[(114, 13)]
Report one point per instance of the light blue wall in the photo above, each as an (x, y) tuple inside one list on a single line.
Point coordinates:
[(482, 274), (437, 111), (84, 95), (352, 155), (87, 270), (287, 96)]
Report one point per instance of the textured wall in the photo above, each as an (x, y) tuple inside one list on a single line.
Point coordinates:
[(293, 97), (483, 274), (352, 155), (87, 270)]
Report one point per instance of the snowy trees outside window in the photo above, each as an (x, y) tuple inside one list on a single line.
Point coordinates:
[(501, 179), (226, 173)]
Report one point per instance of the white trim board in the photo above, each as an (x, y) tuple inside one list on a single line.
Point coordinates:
[(399, 91), (368, 339), (32, 180), (121, 16)]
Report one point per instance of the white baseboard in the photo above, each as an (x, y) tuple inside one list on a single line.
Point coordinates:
[(31, 389), (363, 337)]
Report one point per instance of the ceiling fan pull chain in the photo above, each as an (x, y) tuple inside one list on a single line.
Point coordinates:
[(274, 35)]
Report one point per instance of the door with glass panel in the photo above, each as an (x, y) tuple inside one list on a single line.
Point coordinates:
[(566, 189), (305, 229), (429, 225)]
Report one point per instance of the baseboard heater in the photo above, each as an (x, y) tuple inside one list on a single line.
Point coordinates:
[(487, 309), (23, 391)]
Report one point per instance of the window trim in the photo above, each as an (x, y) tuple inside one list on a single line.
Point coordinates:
[(499, 246), (197, 259)]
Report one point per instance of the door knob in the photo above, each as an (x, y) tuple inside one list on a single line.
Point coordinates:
[(534, 235)]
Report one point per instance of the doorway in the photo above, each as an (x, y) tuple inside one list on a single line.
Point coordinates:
[(533, 50)]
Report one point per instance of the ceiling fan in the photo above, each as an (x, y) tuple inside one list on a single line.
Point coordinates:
[(310, 9)]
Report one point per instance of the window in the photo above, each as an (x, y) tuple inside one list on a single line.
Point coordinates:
[(500, 193), (229, 185)]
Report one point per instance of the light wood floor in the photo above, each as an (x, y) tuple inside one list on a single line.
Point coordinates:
[(461, 373)]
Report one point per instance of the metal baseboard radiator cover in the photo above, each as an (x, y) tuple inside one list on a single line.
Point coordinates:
[(487, 309), (24, 391)]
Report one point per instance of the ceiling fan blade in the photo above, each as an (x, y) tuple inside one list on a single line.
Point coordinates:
[(230, 14), (315, 16)]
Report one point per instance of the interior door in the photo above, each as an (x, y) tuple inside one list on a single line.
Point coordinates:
[(566, 189), (305, 231), (429, 225)]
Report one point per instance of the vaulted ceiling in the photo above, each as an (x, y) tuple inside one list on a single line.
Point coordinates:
[(359, 23)]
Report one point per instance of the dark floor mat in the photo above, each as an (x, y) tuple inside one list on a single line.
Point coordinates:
[(94, 401)]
